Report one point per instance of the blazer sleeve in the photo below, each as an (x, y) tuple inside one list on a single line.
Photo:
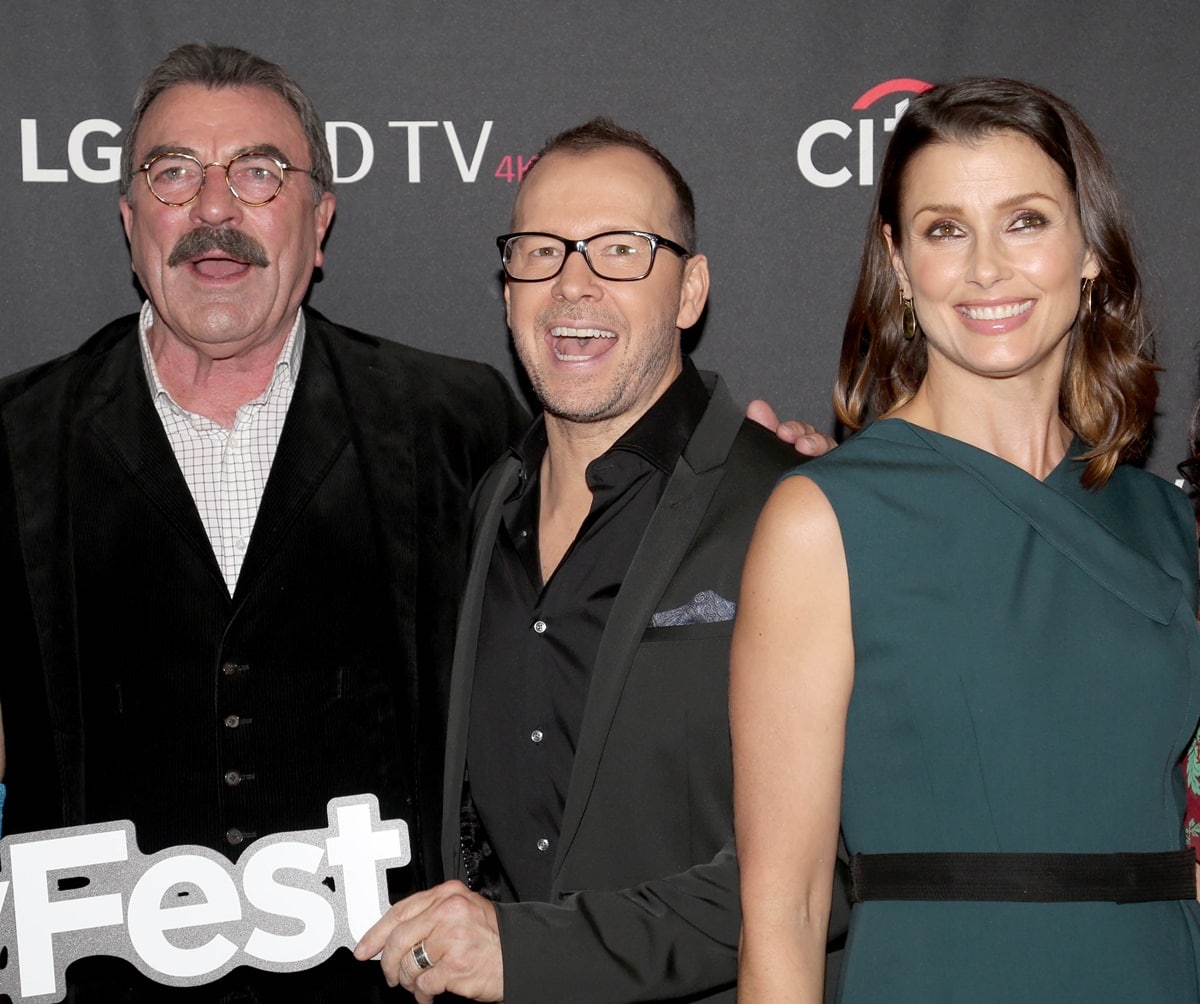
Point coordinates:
[(671, 937), (667, 938)]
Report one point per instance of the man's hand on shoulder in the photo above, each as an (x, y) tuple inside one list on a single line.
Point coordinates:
[(804, 437), (452, 930)]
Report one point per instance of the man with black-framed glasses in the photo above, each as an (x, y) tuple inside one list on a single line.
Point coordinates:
[(589, 815)]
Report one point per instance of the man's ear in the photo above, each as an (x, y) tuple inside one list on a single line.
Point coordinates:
[(126, 214), (693, 292)]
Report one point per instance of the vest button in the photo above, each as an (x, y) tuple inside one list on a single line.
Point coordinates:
[(234, 836), (233, 778), (232, 721)]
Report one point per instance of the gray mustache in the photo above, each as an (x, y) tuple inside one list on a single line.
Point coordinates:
[(232, 242)]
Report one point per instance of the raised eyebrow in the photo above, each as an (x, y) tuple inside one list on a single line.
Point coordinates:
[(162, 148), (1012, 202), (268, 148), (938, 209), (617, 234), (1016, 200), (535, 236)]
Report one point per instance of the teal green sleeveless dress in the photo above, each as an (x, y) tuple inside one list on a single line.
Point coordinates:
[(1027, 678)]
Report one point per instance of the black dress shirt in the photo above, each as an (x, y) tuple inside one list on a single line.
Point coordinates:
[(538, 641)]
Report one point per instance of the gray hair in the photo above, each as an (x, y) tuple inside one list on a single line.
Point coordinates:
[(216, 66)]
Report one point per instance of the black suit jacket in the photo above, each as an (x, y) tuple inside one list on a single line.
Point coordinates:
[(380, 451), (645, 882)]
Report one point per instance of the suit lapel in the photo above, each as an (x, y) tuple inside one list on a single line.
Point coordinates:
[(315, 433), (495, 487), (117, 409), (352, 391), (666, 540)]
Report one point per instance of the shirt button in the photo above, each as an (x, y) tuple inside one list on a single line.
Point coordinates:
[(233, 778), (234, 836), (536, 735), (539, 627), (232, 721), (543, 844)]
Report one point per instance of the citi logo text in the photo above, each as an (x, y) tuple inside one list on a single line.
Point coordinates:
[(827, 155)]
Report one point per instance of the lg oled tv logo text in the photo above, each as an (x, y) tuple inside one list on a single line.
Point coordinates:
[(91, 157), (832, 152)]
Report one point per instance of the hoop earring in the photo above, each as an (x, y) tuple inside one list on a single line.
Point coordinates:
[(910, 317), (1085, 297)]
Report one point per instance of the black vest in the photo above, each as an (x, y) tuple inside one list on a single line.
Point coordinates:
[(214, 720)]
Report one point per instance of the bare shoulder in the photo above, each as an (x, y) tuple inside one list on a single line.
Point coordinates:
[(796, 567), (799, 515)]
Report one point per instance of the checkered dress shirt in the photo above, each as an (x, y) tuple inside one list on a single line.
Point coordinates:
[(227, 469)]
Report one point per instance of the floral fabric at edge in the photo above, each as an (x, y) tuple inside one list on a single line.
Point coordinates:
[(1191, 774)]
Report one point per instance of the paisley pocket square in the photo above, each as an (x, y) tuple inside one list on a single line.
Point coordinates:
[(705, 608)]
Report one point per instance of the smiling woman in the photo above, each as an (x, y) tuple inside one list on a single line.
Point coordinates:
[(990, 254), (970, 583)]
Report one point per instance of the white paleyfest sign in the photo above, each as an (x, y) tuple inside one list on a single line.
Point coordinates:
[(187, 915)]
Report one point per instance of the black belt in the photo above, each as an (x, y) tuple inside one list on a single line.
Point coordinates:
[(1024, 878)]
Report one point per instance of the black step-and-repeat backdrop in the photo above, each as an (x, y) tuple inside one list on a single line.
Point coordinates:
[(776, 112)]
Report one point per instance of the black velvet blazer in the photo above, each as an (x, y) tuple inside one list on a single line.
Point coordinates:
[(410, 432)]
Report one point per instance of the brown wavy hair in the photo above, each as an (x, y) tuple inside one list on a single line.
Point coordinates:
[(1108, 387)]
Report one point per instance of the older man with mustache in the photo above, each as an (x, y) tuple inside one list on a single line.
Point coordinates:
[(232, 532)]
